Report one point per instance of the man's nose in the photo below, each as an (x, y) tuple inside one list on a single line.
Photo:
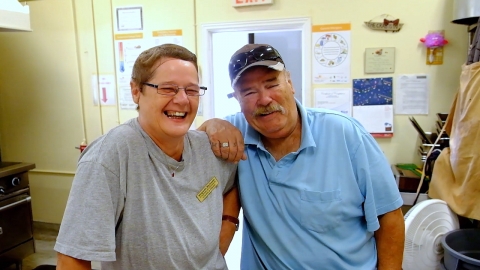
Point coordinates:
[(264, 96)]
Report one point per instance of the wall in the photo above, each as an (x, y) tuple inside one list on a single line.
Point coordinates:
[(40, 104), (46, 103), (46, 98), (419, 17)]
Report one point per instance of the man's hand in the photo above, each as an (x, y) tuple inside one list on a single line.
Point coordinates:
[(226, 140)]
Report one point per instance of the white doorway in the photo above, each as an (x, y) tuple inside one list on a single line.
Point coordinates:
[(224, 45), (219, 42)]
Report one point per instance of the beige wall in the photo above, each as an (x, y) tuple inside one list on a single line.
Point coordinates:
[(46, 101), (41, 114)]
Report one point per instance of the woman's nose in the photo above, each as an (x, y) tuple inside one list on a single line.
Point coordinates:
[(181, 96)]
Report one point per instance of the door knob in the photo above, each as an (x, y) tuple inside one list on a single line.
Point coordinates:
[(15, 181)]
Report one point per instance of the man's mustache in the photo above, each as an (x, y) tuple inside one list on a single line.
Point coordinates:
[(271, 108)]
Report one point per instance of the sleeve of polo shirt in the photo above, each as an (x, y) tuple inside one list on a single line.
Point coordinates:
[(238, 120), (376, 181)]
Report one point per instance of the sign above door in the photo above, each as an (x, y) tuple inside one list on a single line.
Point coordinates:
[(243, 3)]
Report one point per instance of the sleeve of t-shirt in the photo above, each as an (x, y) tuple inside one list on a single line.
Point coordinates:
[(87, 231), (232, 178), (376, 181)]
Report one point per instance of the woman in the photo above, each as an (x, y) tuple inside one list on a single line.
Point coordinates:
[(149, 193)]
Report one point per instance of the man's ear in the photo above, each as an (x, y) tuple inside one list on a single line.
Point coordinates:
[(136, 92), (288, 80)]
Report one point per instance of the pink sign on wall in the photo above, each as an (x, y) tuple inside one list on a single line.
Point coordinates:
[(242, 3)]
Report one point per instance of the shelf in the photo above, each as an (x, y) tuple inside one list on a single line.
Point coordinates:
[(14, 16)]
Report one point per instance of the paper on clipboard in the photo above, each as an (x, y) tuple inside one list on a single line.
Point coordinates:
[(411, 94)]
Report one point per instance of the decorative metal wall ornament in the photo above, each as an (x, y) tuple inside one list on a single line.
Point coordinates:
[(385, 22)]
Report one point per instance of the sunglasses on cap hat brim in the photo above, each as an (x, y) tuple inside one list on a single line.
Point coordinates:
[(260, 56)]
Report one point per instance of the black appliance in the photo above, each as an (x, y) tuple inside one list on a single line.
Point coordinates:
[(16, 221)]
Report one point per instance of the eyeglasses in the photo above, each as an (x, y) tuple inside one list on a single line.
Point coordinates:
[(238, 62), (172, 89)]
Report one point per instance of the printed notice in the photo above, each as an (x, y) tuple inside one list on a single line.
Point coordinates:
[(411, 94), (167, 36), (127, 49), (379, 60), (331, 53), (129, 19), (104, 90), (337, 99)]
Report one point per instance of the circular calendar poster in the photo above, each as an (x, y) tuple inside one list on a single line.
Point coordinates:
[(331, 50)]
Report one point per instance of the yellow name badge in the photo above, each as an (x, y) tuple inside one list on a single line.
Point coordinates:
[(207, 189)]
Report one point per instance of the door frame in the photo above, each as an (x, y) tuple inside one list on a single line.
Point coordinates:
[(208, 29)]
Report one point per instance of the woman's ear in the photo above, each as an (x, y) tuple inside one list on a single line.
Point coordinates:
[(136, 91)]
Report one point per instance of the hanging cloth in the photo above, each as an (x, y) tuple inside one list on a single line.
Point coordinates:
[(456, 174)]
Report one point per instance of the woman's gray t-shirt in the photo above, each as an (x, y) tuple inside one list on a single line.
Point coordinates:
[(164, 225)]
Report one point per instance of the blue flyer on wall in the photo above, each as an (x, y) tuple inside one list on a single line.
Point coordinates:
[(373, 105)]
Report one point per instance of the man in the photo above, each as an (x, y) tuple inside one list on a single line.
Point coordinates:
[(316, 190), (149, 194)]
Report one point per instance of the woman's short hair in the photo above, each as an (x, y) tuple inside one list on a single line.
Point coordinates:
[(143, 68)]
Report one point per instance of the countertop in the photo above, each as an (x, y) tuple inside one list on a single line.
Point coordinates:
[(15, 167)]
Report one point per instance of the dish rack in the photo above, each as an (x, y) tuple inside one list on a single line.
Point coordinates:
[(429, 139)]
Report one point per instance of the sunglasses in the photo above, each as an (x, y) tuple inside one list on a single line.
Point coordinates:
[(240, 61)]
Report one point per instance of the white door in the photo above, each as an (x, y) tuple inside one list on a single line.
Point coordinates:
[(224, 45)]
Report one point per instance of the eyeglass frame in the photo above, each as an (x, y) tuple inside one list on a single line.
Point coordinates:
[(156, 86)]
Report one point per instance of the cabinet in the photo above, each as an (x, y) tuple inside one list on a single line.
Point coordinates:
[(16, 222), (14, 16)]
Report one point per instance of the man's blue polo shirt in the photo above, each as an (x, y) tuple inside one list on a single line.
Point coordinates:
[(315, 208)]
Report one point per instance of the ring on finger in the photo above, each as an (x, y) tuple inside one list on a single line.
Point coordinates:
[(225, 144)]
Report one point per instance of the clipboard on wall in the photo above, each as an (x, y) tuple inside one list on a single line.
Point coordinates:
[(420, 131)]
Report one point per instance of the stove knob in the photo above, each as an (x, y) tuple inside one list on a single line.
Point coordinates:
[(15, 181), (2, 190)]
